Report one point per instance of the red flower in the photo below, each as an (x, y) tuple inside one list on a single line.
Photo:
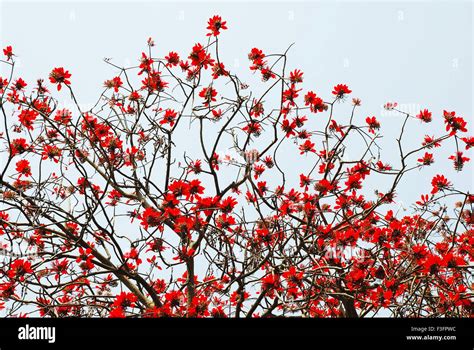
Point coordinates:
[(51, 152), (224, 221), (114, 83), (316, 104), (8, 52), (19, 268), (59, 76), (169, 117), (63, 116), (20, 84), (116, 313), (427, 159), (288, 128), (18, 146), (124, 300), (293, 277), (209, 95), (227, 205), (439, 182), (85, 259), (256, 55), (383, 167), (296, 76), (219, 70), (306, 147), (172, 59), (354, 182), (453, 123), (153, 82), (199, 57), (60, 268), (340, 90), (253, 128), (23, 167), (305, 181), (146, 64), (151, 218), (290, 95), (324, 186), (430, 142), (270, 282), (432, 264), (195, 167), (27, 117), (215, 24), (423, 201), (373, 124), (3, 84), (425, 116), (459, 160), (133, 255), (469, 141)]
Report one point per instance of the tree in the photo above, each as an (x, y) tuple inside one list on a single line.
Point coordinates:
[(113, 211)]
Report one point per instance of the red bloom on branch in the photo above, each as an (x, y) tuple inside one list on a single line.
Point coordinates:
[(315, 103), (23, 167), (424, 115), (354, 182), (453, 123), (219, 70), (151, 218), (469, 141), (270, 282), (296, 76), (51, 152), (253, 128), (227, 205), (459, 160), (341, 90), (59, 76), (3, 84), (63, 116), (439, 182), (373, 124), (19, 268), (169, 117), (290, 95), (114, 83), (215, 25), (114, 197), (432, 264), (20, 84), (18, 146), (324, 186), (430, 142), (146, 64), (8, 52), (199, 57), (27, 117), (427, 159), (256, 55), (306, 147), (208, 94), (172, 59), (288, 128), (125, 300)]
